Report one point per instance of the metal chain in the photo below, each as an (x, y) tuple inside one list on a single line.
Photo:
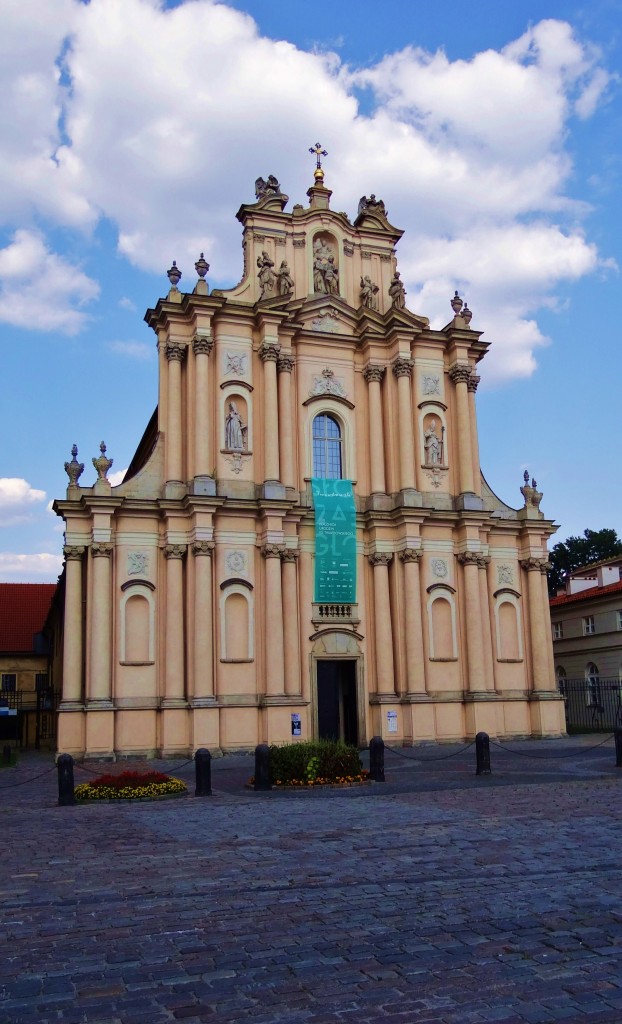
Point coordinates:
[(32, 778), (551, 757), (423, 760)]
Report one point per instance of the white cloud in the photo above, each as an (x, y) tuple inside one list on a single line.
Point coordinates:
[(17, 500), (134, 349), (465, 152), (116, 478), (40, 290), (40, 568), (126, 303)]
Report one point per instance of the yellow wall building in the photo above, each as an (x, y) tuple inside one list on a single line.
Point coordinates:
[(201, 607)]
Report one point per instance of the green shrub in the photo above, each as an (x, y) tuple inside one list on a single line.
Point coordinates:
[(314, 763)]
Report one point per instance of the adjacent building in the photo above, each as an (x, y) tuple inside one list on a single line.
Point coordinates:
[(26, 703), (303, 544)]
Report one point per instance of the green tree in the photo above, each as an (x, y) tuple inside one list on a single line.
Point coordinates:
[(576, 552)]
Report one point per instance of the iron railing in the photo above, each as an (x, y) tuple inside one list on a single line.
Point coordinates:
[(593, 704)]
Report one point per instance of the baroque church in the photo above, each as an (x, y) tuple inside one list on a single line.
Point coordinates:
[(303, 544)]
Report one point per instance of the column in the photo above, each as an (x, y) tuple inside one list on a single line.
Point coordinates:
[(72, 638), (413, 625), (174, 690), (100, 663), (289, 558), (547, 612), (474, 638), (269, 354), (484, 603), (373, 375), (385, 676), (175, 355), (202, 346), (203, 622), (306, 601), (472, 384), (539, 624), (403, 368), (275, 660), (460, 374), (285, 365)]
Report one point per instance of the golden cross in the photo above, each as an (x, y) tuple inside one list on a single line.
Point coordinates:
[(318, 173)]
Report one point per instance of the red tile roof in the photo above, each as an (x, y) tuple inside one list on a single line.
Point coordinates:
[(23, 610), (584, 595)]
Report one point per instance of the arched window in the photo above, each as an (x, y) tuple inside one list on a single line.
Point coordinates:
[(327, 458), (593, 687), (560, 672)]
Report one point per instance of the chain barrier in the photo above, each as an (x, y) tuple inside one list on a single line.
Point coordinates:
[(551, 757), (424, 760), (100, 771), (33, 778)]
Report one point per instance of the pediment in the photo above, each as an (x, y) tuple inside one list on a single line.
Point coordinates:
[(324, 314)]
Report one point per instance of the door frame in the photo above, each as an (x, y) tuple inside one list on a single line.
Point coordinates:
[(359, 670)]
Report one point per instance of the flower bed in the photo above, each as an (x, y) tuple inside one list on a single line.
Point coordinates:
[(130, 785), (319, 763)]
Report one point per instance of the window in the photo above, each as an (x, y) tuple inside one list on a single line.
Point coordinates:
[(327, 461), (560, 672), (558, 631), (9, 682), (588, 625), (593, 685), (619, 619), (41, 682)]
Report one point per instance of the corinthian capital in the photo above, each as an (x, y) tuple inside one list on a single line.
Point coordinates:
[(410, 555), (290, 555), (272, 550), (101, 550), (285, 364), (174, 550), (380, 558), (202, 344), (203, 547), (269, 352), (473, 381), (175, 352), (373, 373), (460, 373), (535, 564), (403, 367), (469, 558), (73, 553)]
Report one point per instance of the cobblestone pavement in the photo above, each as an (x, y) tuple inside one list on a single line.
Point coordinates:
[(437, 897)]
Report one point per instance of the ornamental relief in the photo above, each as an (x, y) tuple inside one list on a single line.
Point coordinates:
[(439, 568), (505, 575), (235, 364), (236, 563), (327, 384), (137, 563), (431, 385)]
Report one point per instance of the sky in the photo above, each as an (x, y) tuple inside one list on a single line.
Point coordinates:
[(132, 130)]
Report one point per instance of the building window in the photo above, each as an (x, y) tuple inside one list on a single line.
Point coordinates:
[(9, 682), (560, 672), (41, 682), (327, 459), (593, 685), (558, 631), (620, 620), (588, 625)]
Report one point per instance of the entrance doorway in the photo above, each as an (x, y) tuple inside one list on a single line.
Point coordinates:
[(337, 717)]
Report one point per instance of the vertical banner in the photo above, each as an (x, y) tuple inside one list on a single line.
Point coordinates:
[(335, 541)]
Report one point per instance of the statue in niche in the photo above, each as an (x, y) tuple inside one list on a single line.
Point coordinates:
[(323, 268), (371, 205), (397, 292), (270, 187), (285, 281), (369, 290), (266, 275), (433, 445), (234, 429)]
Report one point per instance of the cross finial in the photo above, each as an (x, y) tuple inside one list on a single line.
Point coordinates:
[(318, 152)]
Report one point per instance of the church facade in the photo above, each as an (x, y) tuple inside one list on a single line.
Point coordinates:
[(304, 545)]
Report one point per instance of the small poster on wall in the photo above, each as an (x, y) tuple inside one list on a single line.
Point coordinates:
[(392, 721), (296, 724)]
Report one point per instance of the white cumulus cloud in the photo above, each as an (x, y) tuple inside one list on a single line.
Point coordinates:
[(17, 500), (38, 568)]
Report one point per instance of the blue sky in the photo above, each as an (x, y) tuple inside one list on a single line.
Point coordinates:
[(132, 130)]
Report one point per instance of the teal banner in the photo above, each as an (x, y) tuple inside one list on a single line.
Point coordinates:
[(335, 541)]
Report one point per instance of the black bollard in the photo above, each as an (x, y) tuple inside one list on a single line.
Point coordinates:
[(6, 754), (618, 738), (482, 754), (376, 759), (203, 772), (263, 782), (66, 797)]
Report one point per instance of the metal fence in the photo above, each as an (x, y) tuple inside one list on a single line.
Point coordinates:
[(592, 705)]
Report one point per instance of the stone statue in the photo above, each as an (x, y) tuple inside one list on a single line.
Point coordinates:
[(285, 281), (266, 275), (270, 187), (369, 290), (397, 292), (323, 258), (371, 205), (234, 429), (74, 469), (102, 464), (433, 446)]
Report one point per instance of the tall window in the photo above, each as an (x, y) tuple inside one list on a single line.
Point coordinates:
[(558, 631), (588, 625), (327, 460), (593, 687), (9, 682)]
